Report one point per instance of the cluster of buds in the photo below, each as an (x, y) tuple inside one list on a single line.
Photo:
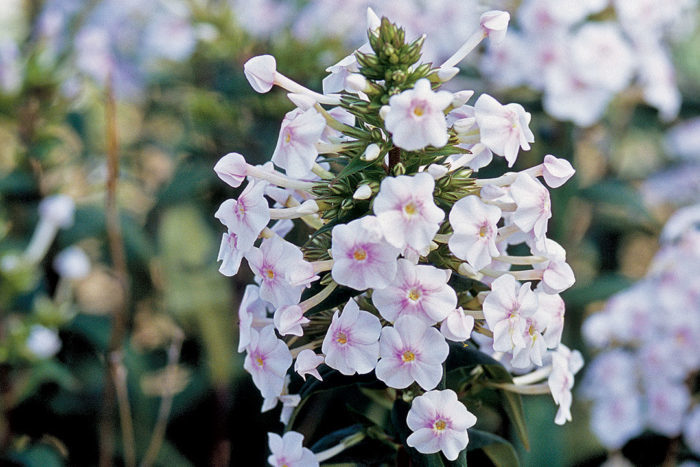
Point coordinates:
[(645, 376), (407, 249)]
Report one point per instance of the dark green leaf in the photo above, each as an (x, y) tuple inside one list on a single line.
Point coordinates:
[(498, 450)]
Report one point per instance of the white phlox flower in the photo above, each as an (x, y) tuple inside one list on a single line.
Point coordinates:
[(252, 315), (307, 363), (267, 360), (553, 306), (351, 344), (232, 169), (72, 263), (503, 128), (475, 229), (506, 309), (556, 171), (439, 422), (416, 118), (287, 451), (407, 212), (565, 364), (260, 72), (417, 290), (457, 326), (247, 216), (361, 257), (557, 275), (282, 271), (535, 344), (534, 207), (411, 351), (296, 146), (289, 319)]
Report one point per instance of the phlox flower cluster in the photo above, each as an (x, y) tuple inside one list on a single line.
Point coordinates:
[(648, 336), (581, 63), (378, 174), (122, 41)]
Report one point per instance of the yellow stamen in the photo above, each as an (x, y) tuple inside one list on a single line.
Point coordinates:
[(408, 356), (440, 425), (418, 111), (287, 137), (414, 295), (259, 361), (341, 338), (410, 209), (483, 231), (270, 274), (360, 254)]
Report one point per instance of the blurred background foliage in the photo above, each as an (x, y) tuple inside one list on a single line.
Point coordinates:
[(175, 117)]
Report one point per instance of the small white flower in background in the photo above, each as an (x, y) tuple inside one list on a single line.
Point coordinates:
[(43, 342), (411, 351), (416, 117), (58, 210), (351, 344), (407, 212), (72, 263), (691, 430), (439, 422), (287, 451)]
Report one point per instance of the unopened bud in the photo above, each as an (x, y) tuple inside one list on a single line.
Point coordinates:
[(437, 171), (355, 82), (363, 192), (446, 74), (302, 101), (461, 97), (371, 153), (384, 111)]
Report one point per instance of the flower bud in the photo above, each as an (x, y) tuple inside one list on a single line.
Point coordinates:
[(260, 72)]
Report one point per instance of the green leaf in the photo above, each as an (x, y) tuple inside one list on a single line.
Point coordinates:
[(601, 288), (467, 357), (512, 402), (47, 371), (498, 450), (619, 202), (335, 437)]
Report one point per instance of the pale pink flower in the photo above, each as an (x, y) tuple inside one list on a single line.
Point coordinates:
[(260, 72), (407, 212), (567, 97), (535, 344), (503, 128), (558, 275), (475, 229), (361, 256), (296, 146), (416, 117), (287, 451), (617, 418), (229, 254), (267, 360), (252, 315), (554, 307), (289, 319), (495, 24), (232, 168), (565, 364), (534, 207), (457, 326), (247, 216), (282, 271), (556, 171), (417, 290), (506, 309), (411, 351), (351, 344), (307, 364), (667, 404), (439, 422)]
